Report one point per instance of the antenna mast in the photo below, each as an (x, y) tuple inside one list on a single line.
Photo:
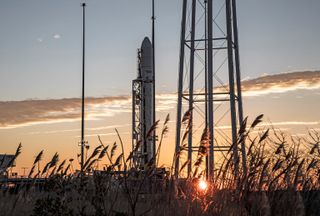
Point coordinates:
[(153, 68), (83, 5)]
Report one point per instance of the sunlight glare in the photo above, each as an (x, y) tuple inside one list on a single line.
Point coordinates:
[(203, 185)]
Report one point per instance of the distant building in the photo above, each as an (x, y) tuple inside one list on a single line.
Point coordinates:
[(5, 161)]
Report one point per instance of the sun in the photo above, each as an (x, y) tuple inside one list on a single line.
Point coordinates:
[(203, 185)]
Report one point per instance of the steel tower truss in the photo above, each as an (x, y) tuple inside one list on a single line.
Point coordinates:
[(209, 51), (139, 155)]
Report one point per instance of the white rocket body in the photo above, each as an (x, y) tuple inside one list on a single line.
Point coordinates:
[(146, 115)]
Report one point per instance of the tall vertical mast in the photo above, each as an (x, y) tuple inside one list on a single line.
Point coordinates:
[(83, 79), (238, 78), (153, 78), (231, 85), (180, 86), (210, 166), (192, 52)]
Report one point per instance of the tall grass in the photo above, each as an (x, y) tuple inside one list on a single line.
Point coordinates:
[(280, 171)]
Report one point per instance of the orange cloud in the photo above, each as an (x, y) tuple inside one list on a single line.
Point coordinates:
[(276, 83), (280, 83), (15, 114), (31, 112)]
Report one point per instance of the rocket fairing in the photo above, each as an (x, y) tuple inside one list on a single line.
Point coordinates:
[(146, 66), (143, 110)]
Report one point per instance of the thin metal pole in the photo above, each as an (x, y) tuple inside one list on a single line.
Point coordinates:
[(192, 50), (154, 78), (238, 78), (210, 88), (206, 73), (180, 86), (206, 60), (83, 82), (231, 88)]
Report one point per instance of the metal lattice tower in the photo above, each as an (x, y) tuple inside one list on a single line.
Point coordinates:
[(137, 127), (209, 52)]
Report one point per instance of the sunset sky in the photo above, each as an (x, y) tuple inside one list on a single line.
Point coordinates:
[(40, 68)]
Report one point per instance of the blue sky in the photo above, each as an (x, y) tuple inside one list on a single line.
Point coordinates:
[(275, 36)]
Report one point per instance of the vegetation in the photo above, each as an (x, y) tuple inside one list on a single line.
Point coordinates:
[(283, 176)]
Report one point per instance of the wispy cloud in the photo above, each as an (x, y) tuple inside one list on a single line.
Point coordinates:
[(32, 112), (166, 102), (90, 129), (280, 83), (105, 134), (15, 114), (299, 123), (56, 36), (275, 83), (282, 123)]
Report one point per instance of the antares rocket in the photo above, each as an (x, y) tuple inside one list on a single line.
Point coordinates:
[(143, 96)]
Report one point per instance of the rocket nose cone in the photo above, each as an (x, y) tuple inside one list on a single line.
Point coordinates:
[(146, 43)]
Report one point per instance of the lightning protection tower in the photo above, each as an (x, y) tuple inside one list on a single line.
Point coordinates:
[(209, 84)]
